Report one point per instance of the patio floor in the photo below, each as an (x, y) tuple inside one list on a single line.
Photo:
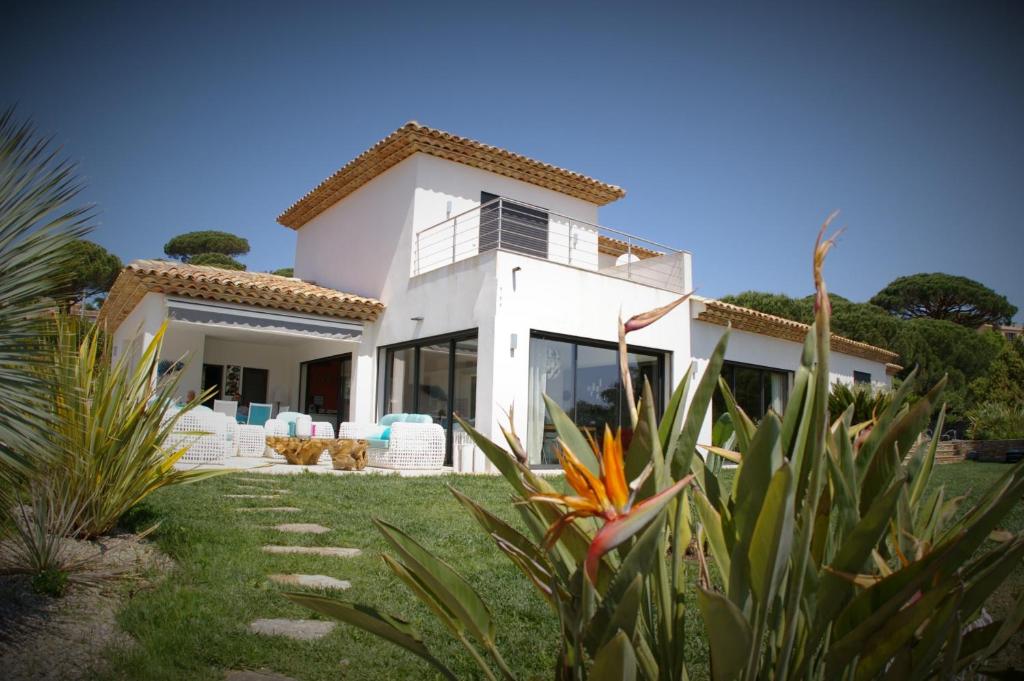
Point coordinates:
[(257, 464)]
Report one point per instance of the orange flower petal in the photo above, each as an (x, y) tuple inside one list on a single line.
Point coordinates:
[(613, 470), (581, 479)]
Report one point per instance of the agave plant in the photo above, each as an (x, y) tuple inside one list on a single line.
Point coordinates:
[(822, 555), (867, 403)]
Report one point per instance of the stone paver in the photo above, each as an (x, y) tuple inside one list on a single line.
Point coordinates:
[(314, 581), (250, 675), (311, 528), (300, 630), (251, 496), (282, 509), (335, 551)]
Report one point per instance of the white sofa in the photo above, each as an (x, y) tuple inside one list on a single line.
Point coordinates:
[(402, 441), (210, 437)]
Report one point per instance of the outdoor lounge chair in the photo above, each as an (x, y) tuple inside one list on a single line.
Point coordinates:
[(403, 441), (259, 413), (227, 407), (208, 435)]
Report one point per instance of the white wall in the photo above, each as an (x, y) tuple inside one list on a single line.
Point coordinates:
[(186, 342), (353, 245), (139, 327)]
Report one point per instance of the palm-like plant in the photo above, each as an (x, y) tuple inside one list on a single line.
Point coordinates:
[(111, 419), (36, 229)]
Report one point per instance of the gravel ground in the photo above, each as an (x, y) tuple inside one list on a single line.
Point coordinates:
[(68, 638)]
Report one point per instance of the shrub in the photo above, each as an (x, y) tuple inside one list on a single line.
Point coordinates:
[(996, 421), (826, 556), (867, 402), (109, 427)]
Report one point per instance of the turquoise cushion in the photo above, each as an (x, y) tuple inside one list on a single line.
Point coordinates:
[(418, 418), (388, 419), (376, 443), (385, 434), (291, 429)]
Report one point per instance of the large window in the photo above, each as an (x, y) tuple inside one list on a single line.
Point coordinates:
[(756, 389), (582, 377), (436, 377)]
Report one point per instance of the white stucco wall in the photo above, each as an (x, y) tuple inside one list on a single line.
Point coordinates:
[(353, 245), (140, 326)]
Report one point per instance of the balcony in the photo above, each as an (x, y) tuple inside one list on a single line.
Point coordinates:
[(530, 230)]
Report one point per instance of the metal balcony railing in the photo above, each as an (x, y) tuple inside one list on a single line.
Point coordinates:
[(534, 231)]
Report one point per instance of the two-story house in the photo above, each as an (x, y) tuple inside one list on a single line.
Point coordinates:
[(435, 274)]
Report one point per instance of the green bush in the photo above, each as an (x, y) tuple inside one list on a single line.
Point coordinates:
[(867, 402), (996, 421)]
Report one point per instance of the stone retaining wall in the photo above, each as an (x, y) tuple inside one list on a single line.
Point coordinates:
[(988, 450)]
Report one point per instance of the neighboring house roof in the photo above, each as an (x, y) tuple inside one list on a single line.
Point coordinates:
[(212, 283), (413, 137), (745, 319)]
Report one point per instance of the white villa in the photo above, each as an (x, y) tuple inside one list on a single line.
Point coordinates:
[(436, 275)]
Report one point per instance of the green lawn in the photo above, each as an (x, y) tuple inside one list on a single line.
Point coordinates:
[(193, 624)]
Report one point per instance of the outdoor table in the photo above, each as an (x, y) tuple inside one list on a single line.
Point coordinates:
[(346, 454)]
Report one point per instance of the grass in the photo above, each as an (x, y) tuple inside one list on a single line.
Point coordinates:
[(193, 623)]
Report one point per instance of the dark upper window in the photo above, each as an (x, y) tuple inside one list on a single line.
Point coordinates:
[(861, 378), (512, 226)]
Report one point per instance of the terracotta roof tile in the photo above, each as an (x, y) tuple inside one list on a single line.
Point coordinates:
[(212, 283), (413, 137), (745, 319)]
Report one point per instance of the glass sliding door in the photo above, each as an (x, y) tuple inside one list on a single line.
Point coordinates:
[(327, 388), (582, 377), (551, 374), (433, 386), (436, 377), (402, 369)]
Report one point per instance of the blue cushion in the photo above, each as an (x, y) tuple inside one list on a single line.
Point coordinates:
[(418, 418), (385, 434), (388, 419), (377, 443), (291, 429)]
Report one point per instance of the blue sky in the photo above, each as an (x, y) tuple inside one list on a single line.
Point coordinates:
[(734, 129)]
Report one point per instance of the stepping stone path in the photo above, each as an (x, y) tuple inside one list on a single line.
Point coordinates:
[(335, 551), (300, 630), (248, 675), (315, 581), (251, 496), (282, 509), (310, 528)]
